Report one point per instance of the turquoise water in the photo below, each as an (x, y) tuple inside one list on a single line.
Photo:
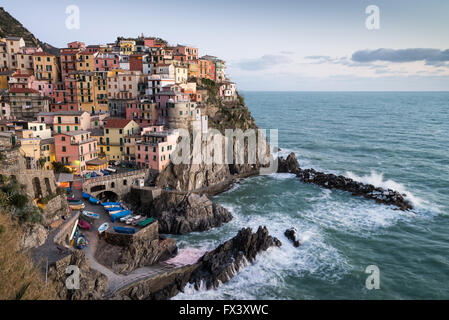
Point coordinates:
[(396, 140)]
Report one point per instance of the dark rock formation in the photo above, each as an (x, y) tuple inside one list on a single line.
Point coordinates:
[(221, 264), (289, 165), (331, 181), (214, 267), (93, 284), (292, 235), (182, 214)]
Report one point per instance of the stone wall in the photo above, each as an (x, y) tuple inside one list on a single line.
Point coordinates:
[(120, 184), (147, 194), (148, 233), (55, 209), (62, 237)]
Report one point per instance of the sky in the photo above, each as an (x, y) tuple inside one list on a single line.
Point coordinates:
[(283, 45)]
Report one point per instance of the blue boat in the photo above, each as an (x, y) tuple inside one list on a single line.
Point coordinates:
[(108, 204), (114, 209), (74, 202), (86, 196), (124, 230), (119, 215), (94, 201)]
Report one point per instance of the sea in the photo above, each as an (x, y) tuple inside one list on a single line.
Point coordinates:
[(397, 140)]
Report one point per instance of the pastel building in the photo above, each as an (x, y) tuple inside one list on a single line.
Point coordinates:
[(116, 130), (143, 112), (155, 148), (46, 67), (227, 91), (66, 121), (26, 103), (75, 150)]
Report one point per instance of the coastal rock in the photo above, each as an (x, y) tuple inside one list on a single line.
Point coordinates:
[(331, 181), (221, 264), (93, 284), (182, 214), (289, 165), (292, 235), (215, 267)]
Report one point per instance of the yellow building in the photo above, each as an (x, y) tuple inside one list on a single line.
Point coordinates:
[(46, 67), (127, 46), (91, 91), (47, 155), (116, 131), (85, 61), (4, 79)]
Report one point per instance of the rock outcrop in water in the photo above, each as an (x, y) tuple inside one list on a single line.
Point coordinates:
[(215, 267), (224, 262), (332, 181), (292, 235)]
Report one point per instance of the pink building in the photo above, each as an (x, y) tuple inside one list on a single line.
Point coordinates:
[(106, 61), (155, 148), (142, 111), (75, 149), (66, 121), (27, 81)]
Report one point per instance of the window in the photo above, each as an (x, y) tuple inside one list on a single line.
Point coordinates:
[(64, 149)]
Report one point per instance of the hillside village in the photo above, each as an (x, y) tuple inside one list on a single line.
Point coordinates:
[(92, 106)]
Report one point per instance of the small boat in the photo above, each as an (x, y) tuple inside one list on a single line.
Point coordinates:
[(137, 221), (86, 195), (94, 201), (146, 222), (103, 227), (124, 230), (113, 209), (125, 218), (74, 202), (91, 215), (110, 204), (77, 207), (115, 212), (133, 219), (84, 225), (119, 215), (81, 242)]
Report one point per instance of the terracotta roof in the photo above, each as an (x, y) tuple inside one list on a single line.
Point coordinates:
[(23, 90), (117, 123), (43, 54)]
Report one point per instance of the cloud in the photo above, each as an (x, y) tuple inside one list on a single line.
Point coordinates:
[(263, 63), (430, 56)]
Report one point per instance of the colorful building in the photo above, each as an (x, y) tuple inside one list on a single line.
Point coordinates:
[(75, 150), (155, 148), (46, 67), (116, 130)]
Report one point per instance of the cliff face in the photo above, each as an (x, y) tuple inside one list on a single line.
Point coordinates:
[(217, 266), (221, 116), (9, 26)]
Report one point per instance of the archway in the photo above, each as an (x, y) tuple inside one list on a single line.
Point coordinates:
[(48, 186), (37, 188), (108, 196)]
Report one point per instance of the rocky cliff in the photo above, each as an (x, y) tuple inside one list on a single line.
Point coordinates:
[(221, 116), (215, 267), (92, 284), (185, 213), (9, 26)]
